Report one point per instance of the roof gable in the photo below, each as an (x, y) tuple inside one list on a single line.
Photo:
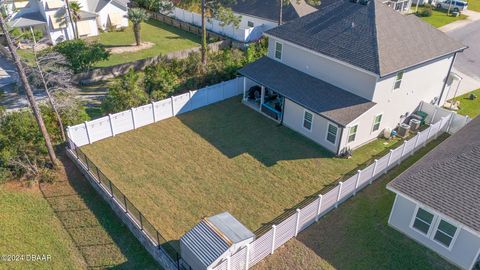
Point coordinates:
[(372, 37)]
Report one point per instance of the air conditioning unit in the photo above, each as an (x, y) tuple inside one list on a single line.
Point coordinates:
[(414, 124), (403, 130)]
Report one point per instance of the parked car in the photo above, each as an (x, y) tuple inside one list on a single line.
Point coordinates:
[(453, 5)]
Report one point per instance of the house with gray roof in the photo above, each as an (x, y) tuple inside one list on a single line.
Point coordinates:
[(51, 17), (345, 73), (437, 199)]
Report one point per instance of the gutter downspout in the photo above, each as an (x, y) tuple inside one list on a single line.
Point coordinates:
[(446, 79)]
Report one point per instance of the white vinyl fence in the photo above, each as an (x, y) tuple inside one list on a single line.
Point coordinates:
[(241, 33), (134, 118), (443, 121)]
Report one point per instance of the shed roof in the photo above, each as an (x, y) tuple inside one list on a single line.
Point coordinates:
[(327, 100), (230, 227), (448, 178), (373, 37)]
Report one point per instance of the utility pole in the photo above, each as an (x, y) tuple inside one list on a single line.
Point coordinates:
[(29, 93)]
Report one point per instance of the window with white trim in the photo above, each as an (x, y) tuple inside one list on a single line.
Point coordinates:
[(250, 24), (445, 233), (352, 133), (398, 80), (423, 220), (376, 122), (278, 50), (332, 133), (307, 120)]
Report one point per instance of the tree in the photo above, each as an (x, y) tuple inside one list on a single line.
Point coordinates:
[(137, 16), (74, 13), (126, 92), (80, 55), (156, 5), (29, 93), (218, 10)]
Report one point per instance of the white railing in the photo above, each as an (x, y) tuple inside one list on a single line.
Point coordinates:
[(238, 33), (445, 121), (134, 118)]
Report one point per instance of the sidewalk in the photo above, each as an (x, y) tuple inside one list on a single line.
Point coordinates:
[(472, 17)]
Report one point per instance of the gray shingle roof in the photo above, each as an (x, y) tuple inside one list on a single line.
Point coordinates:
[(327, 100), (27, 19), (86, 15), (373, 37), (448, 178)]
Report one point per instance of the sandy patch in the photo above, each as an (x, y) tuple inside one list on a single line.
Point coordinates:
[(131, 48)]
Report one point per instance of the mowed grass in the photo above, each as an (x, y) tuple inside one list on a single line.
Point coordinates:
[(224, 157), (439, 17), (474, 5), (165, 37), (356, 236), (469, 107), (29, 226)]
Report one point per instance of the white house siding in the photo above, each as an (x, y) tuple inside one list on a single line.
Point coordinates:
[(346, 77), (464, 249), (92, 25), (257, 21), (110, 8), (423, 83), (293, 118)]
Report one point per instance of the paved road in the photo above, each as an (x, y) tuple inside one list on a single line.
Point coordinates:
[(7, 72), (468, 62)]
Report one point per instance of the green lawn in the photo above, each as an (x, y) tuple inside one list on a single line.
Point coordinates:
[(29, 226), (439, 17), (356, 236), (223, 157), (474, 5), (166, 38), (469, 107)]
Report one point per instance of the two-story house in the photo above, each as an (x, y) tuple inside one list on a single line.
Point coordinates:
[(343, 74), (51, 17)]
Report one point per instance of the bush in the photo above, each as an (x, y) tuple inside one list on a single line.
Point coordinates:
[(160, 81), (80, 55), (426, 12), (427, 5), (126, 92)]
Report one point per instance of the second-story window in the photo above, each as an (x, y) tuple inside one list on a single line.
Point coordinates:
[(278, 50), (398, 80)]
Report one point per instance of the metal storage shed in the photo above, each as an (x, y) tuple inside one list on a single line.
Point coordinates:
[(213, 239)]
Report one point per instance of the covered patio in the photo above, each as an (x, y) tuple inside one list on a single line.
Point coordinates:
[(264, 100)]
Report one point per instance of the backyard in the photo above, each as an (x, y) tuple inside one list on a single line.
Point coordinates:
[(470, 107), (439, 17), (357, 236), (165, 39), (223, 157)]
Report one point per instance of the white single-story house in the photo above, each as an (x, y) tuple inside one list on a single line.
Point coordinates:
[(342, 75), (212, 240), (51, 17), (437, 200)]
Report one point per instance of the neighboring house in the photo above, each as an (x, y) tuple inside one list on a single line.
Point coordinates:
[(51, 17), (437, 200), (343, 74), (402, 6), (212, 240)]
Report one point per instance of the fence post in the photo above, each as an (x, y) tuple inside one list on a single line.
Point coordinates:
[(297, 222), (247, 257), (111, 125), (274, 228), (141, 220), (173, 106), (229, 262), (357, 182), (439, 128), (319, 207), (125, 202), (340, 184), (389, 160), (88, 133), (111, 189), (132, 110), (450, 121), (158, 239), (153, 112), (416, 143), (374, 171), (428, 136), (434, 114), (403, 151)]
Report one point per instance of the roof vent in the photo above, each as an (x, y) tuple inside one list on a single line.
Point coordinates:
[(353, 24)]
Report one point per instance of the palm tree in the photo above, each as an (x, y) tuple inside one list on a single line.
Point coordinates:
[(74, 10), (137, 16)]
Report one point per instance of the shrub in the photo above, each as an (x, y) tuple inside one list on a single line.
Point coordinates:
[(126, 92), (427, 5), (80, 55), (160, 81), (426, 12)]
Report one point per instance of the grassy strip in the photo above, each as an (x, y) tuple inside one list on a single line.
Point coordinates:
[(357, 236), (223, 157), (29, 226), (439, 17), (469, 107)]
